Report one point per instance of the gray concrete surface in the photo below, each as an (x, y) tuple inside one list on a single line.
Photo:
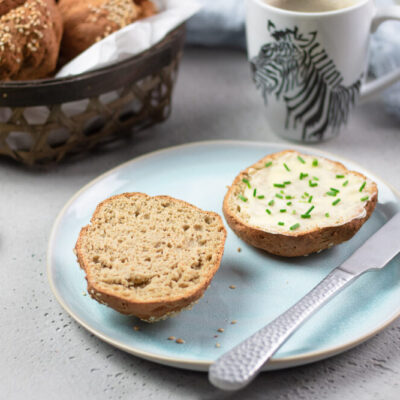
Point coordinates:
[(44, 354)]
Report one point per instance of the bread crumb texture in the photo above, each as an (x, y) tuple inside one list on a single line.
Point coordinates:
[(150, 256)]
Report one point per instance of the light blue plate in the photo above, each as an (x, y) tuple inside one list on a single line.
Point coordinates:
[(265, 285)]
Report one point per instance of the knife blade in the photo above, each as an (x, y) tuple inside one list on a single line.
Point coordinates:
[(377, 251), (239, 366)]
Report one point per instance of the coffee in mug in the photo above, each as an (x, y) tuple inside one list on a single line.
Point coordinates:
[(311, 5)]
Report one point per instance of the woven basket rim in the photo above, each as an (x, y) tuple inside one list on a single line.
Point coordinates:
[(97, 73)]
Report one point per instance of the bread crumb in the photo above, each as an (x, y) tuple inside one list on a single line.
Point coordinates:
[(233, 322), (228, 187), (172, 338), (180, 341), (232, 287), (84, 293), (217, 345), (136, 328), (5, 95), (220, 329), (239, 249), (160, 218)]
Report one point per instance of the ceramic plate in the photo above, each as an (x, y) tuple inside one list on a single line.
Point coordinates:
[(265, 286)]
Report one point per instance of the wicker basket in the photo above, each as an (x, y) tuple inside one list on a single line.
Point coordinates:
[(76, 113)]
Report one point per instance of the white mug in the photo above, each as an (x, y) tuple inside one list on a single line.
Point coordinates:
[(311, 67)]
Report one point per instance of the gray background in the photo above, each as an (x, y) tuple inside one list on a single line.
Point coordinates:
[(44, 354)]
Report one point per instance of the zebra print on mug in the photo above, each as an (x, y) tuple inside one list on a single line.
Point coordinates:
[(298, 71)]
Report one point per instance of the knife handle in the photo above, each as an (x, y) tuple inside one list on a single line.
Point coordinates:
[(239, 366)]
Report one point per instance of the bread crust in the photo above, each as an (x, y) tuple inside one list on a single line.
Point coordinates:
[(30, 36), (294, 244), (87, 22), (149, 311)]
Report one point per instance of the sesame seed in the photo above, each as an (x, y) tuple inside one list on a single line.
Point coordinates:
[(220, 330), (172, 338), (232, 287), (233, 322), (179, 341)]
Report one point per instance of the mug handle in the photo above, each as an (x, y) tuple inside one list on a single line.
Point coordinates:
[(375, 87)]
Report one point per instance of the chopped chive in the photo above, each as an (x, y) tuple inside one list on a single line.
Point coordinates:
[(315, 163), (334, 190), (282, 191), (268, 164), (309, 210), (331, 193), (295, 226), (306, 194), (289, 203), (283, 210), (312, 184), (315, 178), (242, 198), (289, 197), (327, 215), (345, 183), (271, 203), (303, 175), (301, 160), (305, 216), (281, 223), (365, 198), (294, 212), (268, 211), (279, 196), (362, 186), (335, 202), (279, 185), (246, 181), (286, 167), (287, 182), (310, 199), (254, 192), (261, 196), (339, 176)]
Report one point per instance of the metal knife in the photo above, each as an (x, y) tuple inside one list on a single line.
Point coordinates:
[(239, 366)]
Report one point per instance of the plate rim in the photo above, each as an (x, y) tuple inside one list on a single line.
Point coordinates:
[(192, 364)]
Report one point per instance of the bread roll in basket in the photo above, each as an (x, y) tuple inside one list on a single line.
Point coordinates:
[(121, 98)]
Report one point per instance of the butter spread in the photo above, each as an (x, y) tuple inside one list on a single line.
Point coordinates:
[(299, 193)]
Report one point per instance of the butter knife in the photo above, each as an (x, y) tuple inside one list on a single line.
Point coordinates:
[(239, 366)]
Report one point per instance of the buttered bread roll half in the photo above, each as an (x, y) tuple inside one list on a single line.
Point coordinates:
[(30, 36), (293, 204)]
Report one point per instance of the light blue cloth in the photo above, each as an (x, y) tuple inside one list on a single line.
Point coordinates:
[(221, 23), (385, 57)]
